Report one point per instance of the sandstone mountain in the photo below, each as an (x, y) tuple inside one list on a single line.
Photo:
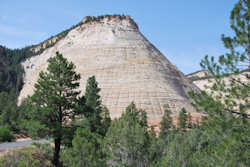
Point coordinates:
[(126, 65)]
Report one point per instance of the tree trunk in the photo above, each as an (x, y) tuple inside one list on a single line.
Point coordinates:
[(57, 152), (58, 139), (248, 53)]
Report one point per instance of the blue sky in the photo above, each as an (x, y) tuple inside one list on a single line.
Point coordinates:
[(183, 30)]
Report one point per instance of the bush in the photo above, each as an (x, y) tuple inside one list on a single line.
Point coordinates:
[(46, 149), (5, 134), (86, 150), (25, 157)]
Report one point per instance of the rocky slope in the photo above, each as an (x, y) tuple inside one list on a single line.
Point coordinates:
[(126, 65), (203, 79), (205, 82), (199, 75)]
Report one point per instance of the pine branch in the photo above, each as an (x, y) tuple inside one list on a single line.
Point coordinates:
[(245, 115), (243, 84)]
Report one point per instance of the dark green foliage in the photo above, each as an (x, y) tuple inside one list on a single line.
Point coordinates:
[(98, 18), (166, 135), (14, 56), (182, 119), (11, 76), (92, 93), (166, 123), (53, 102), (89, 19), (226, 126), (238, 45), (97, 115), (127, 141), (11, 72), (5, 134), (226, 143), (106, 121), (155, 147), (8, 110), (181, 148), (86, 150), (189, 120)]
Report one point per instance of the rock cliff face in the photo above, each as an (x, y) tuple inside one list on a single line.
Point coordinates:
[(126, 65)]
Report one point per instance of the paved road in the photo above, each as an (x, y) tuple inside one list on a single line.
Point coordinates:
[(11, 145)]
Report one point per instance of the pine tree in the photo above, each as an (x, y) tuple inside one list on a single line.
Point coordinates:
[(239, 45), (182, 119), (127, 141), (93, 103), (92, 94), (166, 122), (97, 114), (53, 102), (189, 120), (86, 150), (106, 121), (226, 126)]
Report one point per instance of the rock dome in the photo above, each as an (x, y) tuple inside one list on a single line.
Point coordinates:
[(126, 66)]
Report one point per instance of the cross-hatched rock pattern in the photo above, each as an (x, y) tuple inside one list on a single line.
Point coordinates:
[(126, 66)]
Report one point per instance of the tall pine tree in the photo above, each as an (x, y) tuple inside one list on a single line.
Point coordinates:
[(97, 115), (53, 102)]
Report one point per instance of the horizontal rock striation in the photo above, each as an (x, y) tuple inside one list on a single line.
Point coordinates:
[(126, 65)]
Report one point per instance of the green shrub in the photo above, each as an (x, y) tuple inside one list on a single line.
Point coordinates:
[(5, 134), (46, 149), (25, 157)]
